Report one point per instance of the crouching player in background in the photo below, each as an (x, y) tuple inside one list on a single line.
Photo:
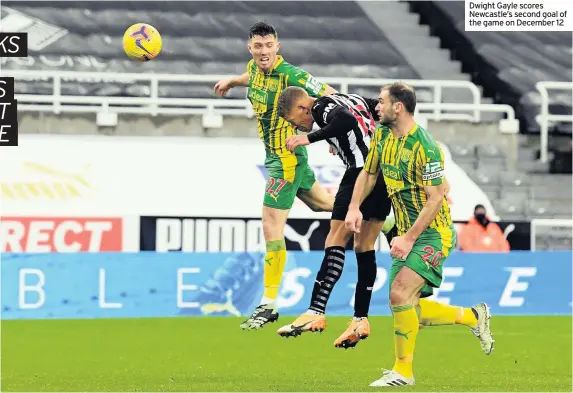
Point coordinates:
[(290, 175), (347, 122), (412, 164)]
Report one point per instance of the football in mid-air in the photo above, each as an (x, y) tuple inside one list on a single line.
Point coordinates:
[(142, 42)]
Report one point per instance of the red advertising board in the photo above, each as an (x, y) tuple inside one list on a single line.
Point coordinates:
[(61, 234)]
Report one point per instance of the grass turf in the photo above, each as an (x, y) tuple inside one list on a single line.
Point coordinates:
[(213, 354)]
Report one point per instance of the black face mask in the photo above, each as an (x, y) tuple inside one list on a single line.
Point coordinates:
[(480, 217)]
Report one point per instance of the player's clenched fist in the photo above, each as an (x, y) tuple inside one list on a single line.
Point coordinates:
[(296, 140), (400, 247), (353, 220)]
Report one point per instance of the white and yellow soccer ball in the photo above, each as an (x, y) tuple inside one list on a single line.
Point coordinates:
[(142, 42)]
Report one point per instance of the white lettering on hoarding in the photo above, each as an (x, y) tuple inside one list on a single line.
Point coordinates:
[(292, 290), (61, 234), (101, 297), (38, 288), (186, 287), (514, 285), (203, 235)]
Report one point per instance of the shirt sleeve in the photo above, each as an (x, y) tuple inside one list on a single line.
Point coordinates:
[(430, 162), (372, 164), (335, 120), (299, 77)]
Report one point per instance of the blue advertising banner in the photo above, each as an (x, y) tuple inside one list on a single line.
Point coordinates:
[(148, 284)]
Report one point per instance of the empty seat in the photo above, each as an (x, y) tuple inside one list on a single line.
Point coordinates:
[(507, 64), (201, 38), (510, 209), (483, 177), (515, 179), (540, 208)]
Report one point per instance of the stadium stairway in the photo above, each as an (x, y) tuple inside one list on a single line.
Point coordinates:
[(421, 50)]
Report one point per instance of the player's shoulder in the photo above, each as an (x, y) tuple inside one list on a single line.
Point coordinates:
[(425, 138), (283, 66), (382, 131), (322, 106)]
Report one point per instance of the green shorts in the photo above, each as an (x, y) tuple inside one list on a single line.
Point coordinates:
[(281, 190), (427, 258)]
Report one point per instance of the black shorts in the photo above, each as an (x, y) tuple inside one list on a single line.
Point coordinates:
[(375, 207)]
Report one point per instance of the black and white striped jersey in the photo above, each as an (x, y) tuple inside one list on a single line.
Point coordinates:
[(347, 122)]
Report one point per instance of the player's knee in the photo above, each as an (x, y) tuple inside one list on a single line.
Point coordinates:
[(363, 245), (399, 295), (272, 228), (366, 240)]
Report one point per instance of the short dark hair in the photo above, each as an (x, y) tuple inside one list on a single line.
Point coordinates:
[(287, 99), (262, 29), (401, 92)]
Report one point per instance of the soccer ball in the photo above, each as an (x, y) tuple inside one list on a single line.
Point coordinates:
[(142, 42)]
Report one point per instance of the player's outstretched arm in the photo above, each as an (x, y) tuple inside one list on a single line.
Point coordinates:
[(434, 200), (339, 120), (222, 87)]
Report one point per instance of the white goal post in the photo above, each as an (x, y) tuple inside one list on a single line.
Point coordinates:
[(538, 225)]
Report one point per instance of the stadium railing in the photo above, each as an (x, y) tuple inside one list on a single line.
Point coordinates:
[(544, 226), (155, 105), (545, 117)]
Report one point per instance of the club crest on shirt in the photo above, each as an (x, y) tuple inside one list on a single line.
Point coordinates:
[(273, 85), (406, 155)]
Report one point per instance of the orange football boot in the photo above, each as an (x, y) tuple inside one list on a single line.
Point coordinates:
[(357, 330), (304, 323)]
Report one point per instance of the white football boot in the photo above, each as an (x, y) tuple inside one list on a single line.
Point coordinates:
[(482, 330), (392, 378)]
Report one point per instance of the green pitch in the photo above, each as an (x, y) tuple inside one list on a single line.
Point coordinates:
[(213, 354)]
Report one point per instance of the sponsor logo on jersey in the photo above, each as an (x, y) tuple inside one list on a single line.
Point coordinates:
[(393, 179), (327, 111), (258, 96), (391, 172)]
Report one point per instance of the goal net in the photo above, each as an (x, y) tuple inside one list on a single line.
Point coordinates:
[(551, 234)]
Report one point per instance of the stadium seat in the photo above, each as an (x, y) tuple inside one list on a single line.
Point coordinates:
[(548, 209), (203, 37), (506, 64), (510, 209)]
